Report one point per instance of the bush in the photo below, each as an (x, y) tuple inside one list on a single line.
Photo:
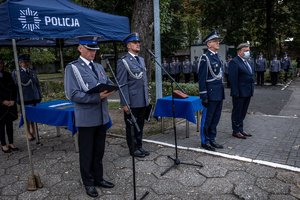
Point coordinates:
[(52, 90)]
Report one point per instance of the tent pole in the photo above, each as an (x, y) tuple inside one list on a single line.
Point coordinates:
[(33, 180), (61, 57)]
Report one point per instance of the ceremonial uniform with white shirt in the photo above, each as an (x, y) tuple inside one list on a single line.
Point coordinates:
[(131, 72), (187, 69), (211, 93), (91, 113), (275, 68), (260, 68)]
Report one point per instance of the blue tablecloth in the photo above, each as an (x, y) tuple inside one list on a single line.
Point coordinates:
[(55, 113), (184, 108)]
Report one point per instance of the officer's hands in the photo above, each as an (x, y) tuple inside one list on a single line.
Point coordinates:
[(105, 94), (205, 102), (125, 109)]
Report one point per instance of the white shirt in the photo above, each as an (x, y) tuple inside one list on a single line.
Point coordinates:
[(86, 62)]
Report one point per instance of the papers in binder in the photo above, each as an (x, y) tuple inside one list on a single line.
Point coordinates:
[(102, 87)]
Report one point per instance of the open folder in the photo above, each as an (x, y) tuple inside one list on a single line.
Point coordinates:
[(102, 87)]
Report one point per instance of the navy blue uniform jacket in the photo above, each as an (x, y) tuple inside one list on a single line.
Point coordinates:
[(214, 90), (241, 79)]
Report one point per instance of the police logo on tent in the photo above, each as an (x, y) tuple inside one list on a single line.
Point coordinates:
[(29, 19)]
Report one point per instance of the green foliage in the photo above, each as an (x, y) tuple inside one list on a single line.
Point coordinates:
[(52, 90)]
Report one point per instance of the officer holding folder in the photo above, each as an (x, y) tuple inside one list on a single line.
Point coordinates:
[(91, 112)]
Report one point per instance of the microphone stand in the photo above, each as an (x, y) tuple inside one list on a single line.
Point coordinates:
[(133, 124), (176, 159)]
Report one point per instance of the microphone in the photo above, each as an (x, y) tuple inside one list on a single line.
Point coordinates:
[(151, 53)]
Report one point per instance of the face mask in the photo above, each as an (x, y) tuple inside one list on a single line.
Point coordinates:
[(246, 54)]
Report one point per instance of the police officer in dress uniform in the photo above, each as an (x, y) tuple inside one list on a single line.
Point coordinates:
[(31, 89), (187, 69), (211, 91), (260, 68), (275, 68), (195, 68), (178, 70), (91, 112), (242, 87), (131, 71), (285, 65), (166, 66), (173, 68)]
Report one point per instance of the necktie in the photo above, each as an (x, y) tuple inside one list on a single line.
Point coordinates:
[(137, 58), (27, 71), (93, 68), (249, 67)]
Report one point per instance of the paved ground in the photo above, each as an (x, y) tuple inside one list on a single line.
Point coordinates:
[(276, 138)]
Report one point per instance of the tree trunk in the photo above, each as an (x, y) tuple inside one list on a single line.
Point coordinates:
[(142, 23)]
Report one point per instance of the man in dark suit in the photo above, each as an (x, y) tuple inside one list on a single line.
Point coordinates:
[(211, 91), (242, 88), (91, 112), (131, 72)]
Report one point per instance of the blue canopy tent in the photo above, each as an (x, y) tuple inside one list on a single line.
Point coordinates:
[(43, 23), (33, 19)]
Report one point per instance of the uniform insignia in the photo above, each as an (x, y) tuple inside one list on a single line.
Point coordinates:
[(130, 58)]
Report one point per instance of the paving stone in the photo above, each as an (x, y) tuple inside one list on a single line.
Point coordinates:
[(250, 192), (15, 188), (295, 191), (70, 157), (72, 174), (7, 180), (191, 178), (120, 150), (165, 151), (145, 179), (240, 177), (42, 151), (210, 171), (2, 171), (55, 154), (65, 188), (273, 186), (261, 171), (224, 197), (50, 180), (8, 163), (282, 197), (145, 166), (216, 186), (288, 177), (8, 198), (110, 156), (59, 168), (50, 197), (174, 172), (163, 187), (163, 161), (123, 162), (34, 195)]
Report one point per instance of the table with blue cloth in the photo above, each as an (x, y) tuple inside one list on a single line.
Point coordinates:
[(55, 113), (184, 108)]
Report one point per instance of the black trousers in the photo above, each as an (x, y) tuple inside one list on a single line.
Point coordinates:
[(274, 78), (260, 78), (8, 128), (239, 111), (227, 80), (139, 114), (91, 142)]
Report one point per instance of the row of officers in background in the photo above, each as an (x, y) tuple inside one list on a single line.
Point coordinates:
[(261, 64), (190, 68)]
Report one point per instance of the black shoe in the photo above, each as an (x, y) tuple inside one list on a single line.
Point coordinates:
[(208, 147), (216, 145), (138, 153), (91, 191), (104, 184), (246, 134), (6, 151), (144, 151)]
